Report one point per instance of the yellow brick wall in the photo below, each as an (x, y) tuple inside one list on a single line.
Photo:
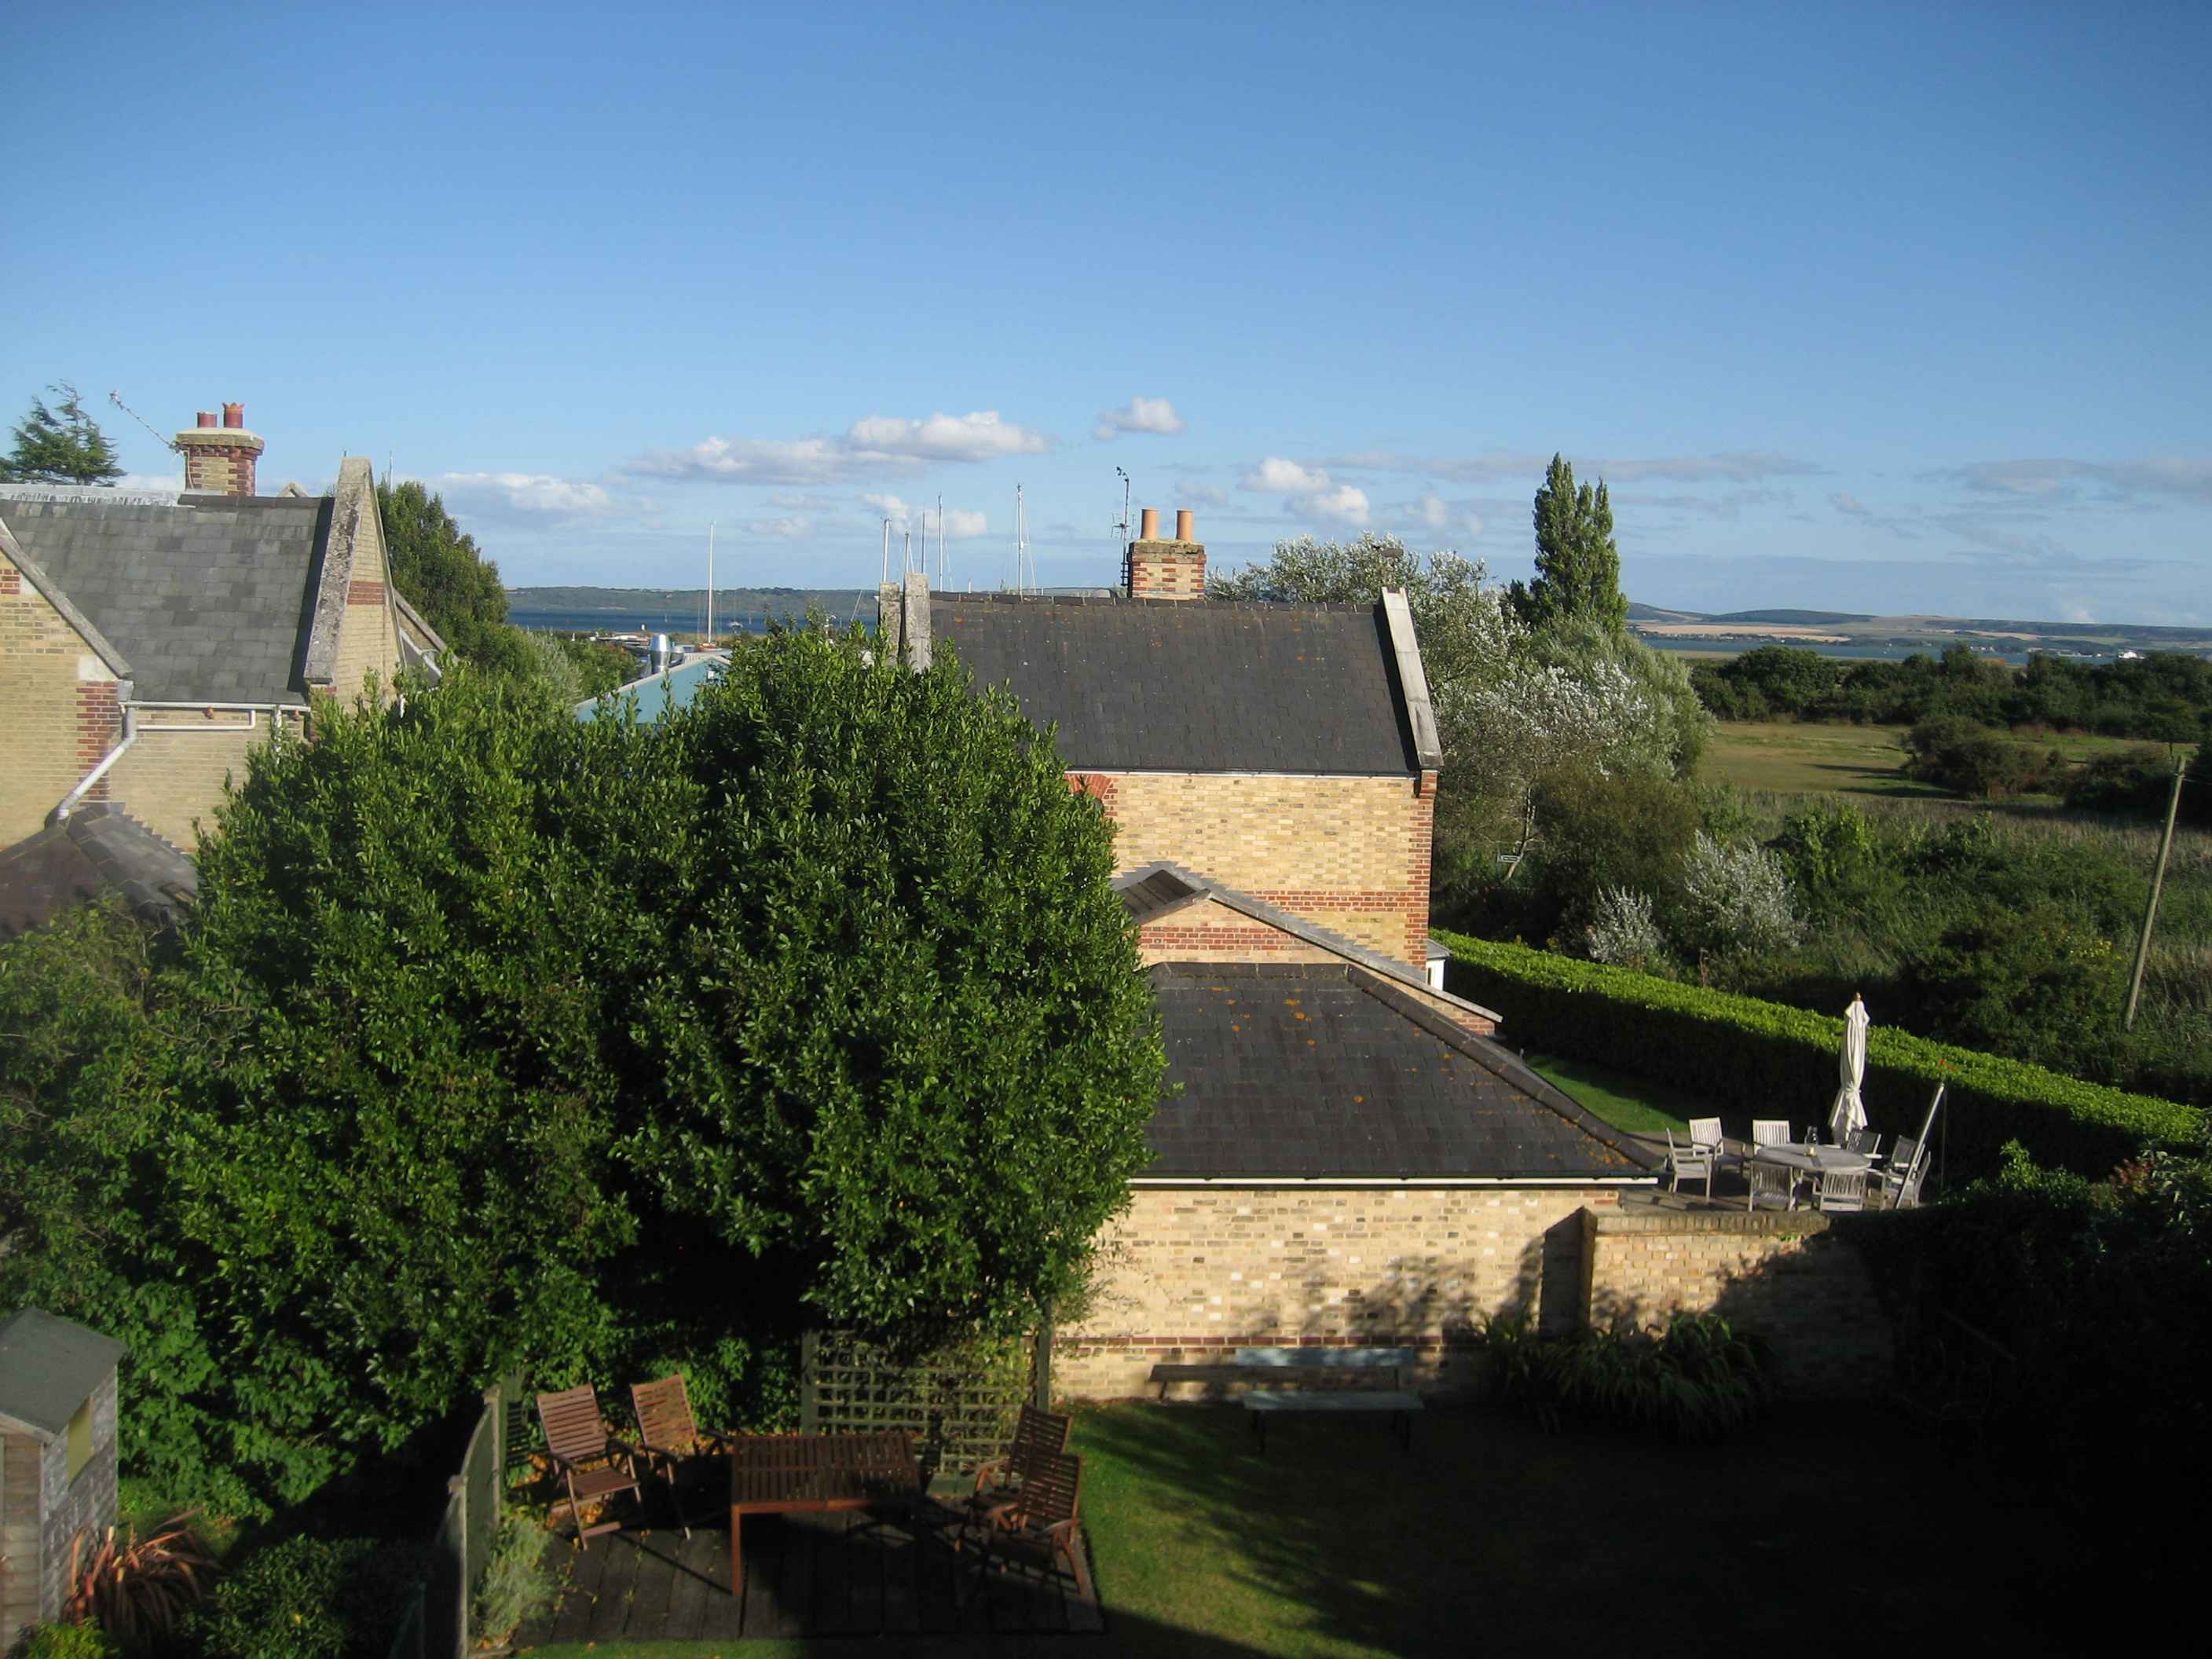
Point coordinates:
[(1350, 853), (44, 670), (369, 637), (1793, 1280), (1186, 1273), (173, 774)]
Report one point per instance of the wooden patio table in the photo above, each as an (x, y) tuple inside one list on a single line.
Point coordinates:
[(777, 1473)]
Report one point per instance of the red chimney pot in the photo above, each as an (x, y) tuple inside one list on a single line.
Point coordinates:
[(207, 417), (233, 415)]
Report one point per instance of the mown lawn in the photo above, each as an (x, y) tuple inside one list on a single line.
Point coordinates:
[(1812, 1532), (1634, 1103)]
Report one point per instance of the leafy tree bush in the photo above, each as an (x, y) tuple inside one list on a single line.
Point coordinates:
[(1595, 832), (1829, 849), (498, 1038), (2033, 983), (312, 1598), (1621, 931), (62, 444), (1698, 1379), (1962, 755), (65, 1641), (1736, 900)]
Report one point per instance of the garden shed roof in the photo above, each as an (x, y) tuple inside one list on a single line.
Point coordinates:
[(48, 1367), (98, 849), (1313, 1072)]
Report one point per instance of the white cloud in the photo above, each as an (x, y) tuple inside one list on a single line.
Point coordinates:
[(1849, 505), (1156, 414), (1281, 477), (1733, 467), (1307, 491), (960, 525), (800, 502), (2162, 474), (879, 443), (155, 482), (530, 493), (1432, 512), (777, 530), (1473, 523), (1346, 504)]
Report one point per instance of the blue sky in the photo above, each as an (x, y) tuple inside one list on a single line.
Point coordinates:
[(1880, 308)]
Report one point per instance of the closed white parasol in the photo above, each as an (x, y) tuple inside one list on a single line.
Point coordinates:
[(1849, 1111)]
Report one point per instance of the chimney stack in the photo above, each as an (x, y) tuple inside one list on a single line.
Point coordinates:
[(1159, 569), (219, 459)]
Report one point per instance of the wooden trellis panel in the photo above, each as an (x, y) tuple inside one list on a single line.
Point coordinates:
[(959, 1403)]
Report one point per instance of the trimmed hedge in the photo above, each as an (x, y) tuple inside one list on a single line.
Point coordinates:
[(1755, 1059)]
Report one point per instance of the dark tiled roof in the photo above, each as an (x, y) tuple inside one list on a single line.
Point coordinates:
[(209, 600), (1191, 686), (1159, 889), (1321, 1071), (48, 1367), (98, 848)]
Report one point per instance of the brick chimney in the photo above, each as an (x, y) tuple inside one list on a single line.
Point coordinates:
[(1162, 570), (219, 459)]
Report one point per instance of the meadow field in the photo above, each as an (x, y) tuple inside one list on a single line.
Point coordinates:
[(1798, 757)]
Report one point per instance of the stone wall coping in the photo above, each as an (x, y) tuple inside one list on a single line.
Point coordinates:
[(1771, 1224)]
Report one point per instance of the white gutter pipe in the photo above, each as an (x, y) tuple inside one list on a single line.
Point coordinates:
[(60, 814)]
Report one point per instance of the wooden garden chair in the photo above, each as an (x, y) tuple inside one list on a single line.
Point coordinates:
[(667, 1433), (1044, 1519), (594, 1464), (998, 1483)]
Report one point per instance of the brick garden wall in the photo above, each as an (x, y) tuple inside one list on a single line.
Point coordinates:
[(1792, 1276), (1188, 1272), (1350, 854), (60, 700)]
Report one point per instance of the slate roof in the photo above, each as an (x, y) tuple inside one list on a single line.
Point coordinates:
[(209, 599), (98, 848), (1324, 1071), (48, 1367), (1160, 889), (1192, 686)]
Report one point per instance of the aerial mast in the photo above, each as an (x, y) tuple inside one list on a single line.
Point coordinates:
[(710, 584)]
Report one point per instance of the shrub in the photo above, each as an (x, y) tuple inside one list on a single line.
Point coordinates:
[(1736, 900), (1745, 1056), (1961, 754), (312, 1598), (137, 1588), (64, 1642), (1697, 1380), (513, 1586), (1622, 932)]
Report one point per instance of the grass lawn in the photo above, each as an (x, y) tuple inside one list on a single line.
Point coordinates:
[(1794, 758), (1634, 1103), (1494, 1538)]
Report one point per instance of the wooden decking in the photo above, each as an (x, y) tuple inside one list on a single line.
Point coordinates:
[(837, 1574)]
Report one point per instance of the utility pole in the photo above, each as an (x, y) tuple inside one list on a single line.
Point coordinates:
[(2157, 881)]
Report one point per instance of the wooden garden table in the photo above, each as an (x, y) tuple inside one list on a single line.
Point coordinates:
[(778, 1473)]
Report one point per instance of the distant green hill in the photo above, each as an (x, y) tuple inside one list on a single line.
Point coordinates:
[(1792, 618)]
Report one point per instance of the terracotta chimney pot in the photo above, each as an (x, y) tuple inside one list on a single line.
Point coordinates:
[(234, 415), (1148, 524), (207, 419), (1186, 524)]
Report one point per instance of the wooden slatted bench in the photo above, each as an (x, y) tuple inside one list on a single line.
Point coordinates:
[(1296, 1365)]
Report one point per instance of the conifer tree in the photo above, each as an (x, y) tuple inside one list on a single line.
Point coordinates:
[(60, 445), (1578, 565)]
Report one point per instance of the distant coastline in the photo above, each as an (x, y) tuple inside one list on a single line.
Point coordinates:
[(1830, 633)]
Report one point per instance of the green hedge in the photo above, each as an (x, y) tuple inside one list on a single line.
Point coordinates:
[(1754, 1059)]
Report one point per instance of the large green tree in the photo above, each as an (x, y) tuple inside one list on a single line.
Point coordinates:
[(62, 444), (1513, 703), (501, 1038), (445, 576), (1578, 565)]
